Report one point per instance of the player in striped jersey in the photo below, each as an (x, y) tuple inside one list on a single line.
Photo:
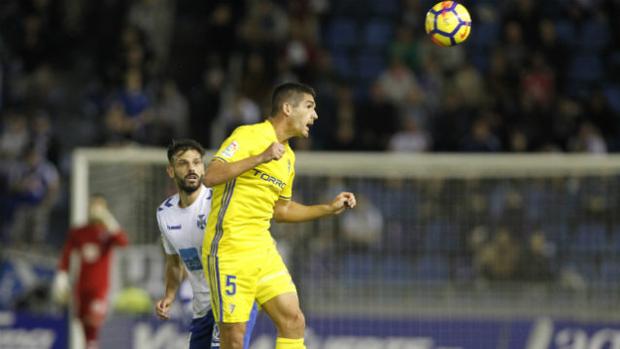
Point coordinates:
[(182, 219)]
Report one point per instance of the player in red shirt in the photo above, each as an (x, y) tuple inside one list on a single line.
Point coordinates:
[(93, 243)]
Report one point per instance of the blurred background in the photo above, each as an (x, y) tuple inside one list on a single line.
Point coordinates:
[(519, 248)]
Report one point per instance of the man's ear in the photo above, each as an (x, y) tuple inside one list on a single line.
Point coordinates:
[(170, 171), (287, 108)]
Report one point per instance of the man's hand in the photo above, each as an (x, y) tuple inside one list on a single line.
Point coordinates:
[(273, 152), (162, 308), (100, 212), (61, 288), (343, 201)]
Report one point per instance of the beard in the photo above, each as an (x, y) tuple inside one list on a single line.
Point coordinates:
[(187, 187)]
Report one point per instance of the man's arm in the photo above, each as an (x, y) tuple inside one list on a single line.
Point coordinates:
[(288, 211), (70, 244), (117, 236), (61, 286), (174, 275), (219, 171)]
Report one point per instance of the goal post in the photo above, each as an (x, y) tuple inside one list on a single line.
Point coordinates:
[(84, 158), (416, 244), (109, 169)]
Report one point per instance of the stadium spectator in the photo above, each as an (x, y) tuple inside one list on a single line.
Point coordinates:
[(588, 140), (130, 51), (14, 136), (222, 23), (118, 129), (552, 49), (344, 129), (565, 122), (129, 110), (518, 141), (156, 19), (598, 110), (34, 43), (451, 116), (243, 111), (535, 262), (301, 48), (525, 13), (469, 84), (538, 82), (481, 138), (170, 115), (34, 187), (406, 47), (502, 83), (409, 14), (498, 259), (265, 25), (205, 101), (376, 118), (514, 47), (411, 138), (42, 89), (362, 229), (447, 60), (428, 98), (94, 243), (44, 137), (257, 75), (325, 75), (396, 81), (132, 95)]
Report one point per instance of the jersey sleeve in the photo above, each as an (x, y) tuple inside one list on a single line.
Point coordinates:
[(70, 244), (236, 147), (168, 248), (119, 239)]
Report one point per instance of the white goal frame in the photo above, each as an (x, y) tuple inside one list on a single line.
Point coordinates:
[(367, 165), (379, 165)]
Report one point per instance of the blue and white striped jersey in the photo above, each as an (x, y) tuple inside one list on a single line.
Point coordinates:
[(182, 231)]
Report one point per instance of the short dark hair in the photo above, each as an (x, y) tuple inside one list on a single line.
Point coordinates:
[(285, 92), (183, 145), (98, 195)]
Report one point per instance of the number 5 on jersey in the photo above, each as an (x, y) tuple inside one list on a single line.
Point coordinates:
[(231, 285)]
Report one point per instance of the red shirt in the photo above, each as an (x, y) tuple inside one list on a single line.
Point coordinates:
[(94, 245)]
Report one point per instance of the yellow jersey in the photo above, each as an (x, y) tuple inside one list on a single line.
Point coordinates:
[(242, 208)]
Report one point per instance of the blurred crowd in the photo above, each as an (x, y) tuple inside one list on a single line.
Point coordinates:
[(534, 76), (560, 231)]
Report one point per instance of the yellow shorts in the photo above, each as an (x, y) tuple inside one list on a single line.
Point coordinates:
[(237, 281)]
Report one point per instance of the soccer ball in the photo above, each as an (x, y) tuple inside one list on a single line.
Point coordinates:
[(448, 23)]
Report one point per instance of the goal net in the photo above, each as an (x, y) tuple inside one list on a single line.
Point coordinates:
[(437, 244)]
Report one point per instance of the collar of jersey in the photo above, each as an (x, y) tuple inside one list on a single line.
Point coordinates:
[(202, 187), (272, 129)]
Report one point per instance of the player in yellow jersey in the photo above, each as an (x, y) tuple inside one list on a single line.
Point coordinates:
[(252, 178)]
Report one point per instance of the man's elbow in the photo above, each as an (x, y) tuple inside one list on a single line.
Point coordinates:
[(280, 216), (277, 218)]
